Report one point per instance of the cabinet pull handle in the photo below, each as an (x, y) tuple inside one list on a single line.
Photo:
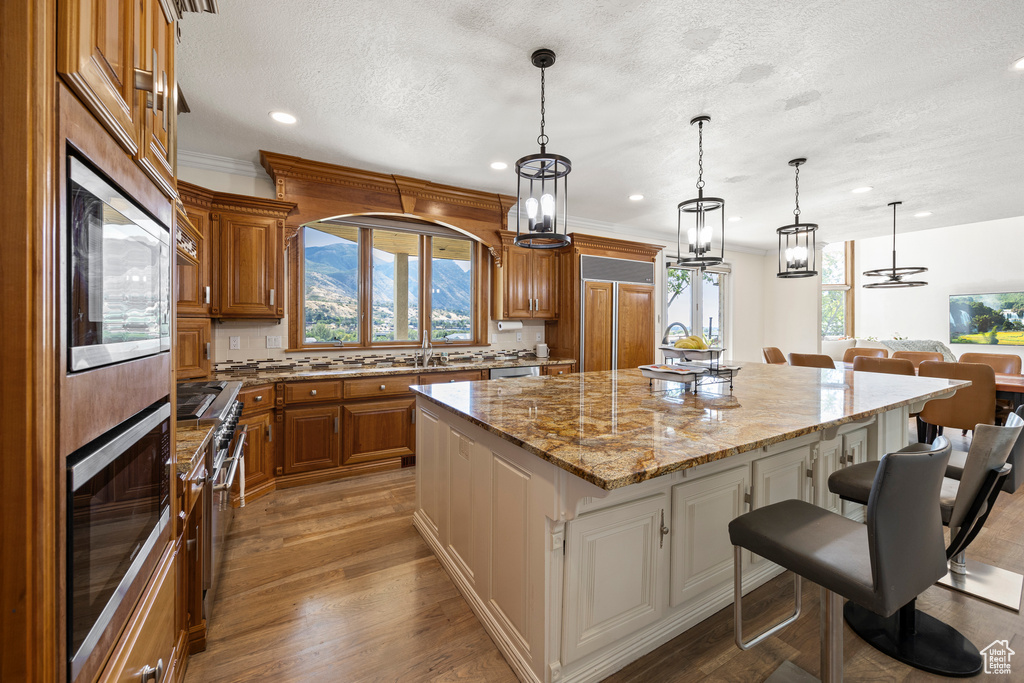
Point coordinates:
[(531, 304), (206, 294), (664, 530), (270, 434), (207, 350), (144, 81), (335, 425), (272, 297)]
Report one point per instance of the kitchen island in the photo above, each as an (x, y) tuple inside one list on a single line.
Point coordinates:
[(584, 517)]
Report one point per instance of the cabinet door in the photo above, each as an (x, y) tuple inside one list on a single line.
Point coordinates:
[(855, 451), (635, 325), (312, 438), (192, 564), (193, 348), (545, 283), (194, 281), (597, 326), (702, 554), (248, 264), (616, 570), (827, 462), (518, 285), (157, 152), (257, 451), (97, 42), (378, 430), (778, 477)]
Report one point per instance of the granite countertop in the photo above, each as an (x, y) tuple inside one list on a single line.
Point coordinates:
[(250, 378), (192, 437), (615, 428)]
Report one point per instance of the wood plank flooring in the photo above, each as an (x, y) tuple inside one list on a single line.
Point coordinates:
[(331, 582)]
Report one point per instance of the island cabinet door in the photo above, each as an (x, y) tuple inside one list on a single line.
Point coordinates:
[(855, 451), (781, 476), (616, 571), (829, 458), (312, 438), (702, 555)]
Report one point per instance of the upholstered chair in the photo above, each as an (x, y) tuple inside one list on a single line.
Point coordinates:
[(812, 360), (850, 354)]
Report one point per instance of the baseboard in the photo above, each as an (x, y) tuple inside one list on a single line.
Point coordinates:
[(176, 669), (254, 492)]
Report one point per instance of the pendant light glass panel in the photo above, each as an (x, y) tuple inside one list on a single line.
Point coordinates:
[(701, 222), (894, 275), (798, 249), (542, 188)]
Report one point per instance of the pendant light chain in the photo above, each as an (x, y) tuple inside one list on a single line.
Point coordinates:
[(542, 139), (796, 211), (700, 155)]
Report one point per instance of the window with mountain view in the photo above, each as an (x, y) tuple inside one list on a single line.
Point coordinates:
[(403, 293)]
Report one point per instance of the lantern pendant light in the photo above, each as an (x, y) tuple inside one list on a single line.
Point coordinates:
[(894, 276), (797, 241), (708, 218), (541, 209)]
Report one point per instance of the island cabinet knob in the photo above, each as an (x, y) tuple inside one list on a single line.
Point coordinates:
[(382, 387), (312, 392)]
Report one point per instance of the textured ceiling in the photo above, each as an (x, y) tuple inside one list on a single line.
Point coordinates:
[(915, 98)]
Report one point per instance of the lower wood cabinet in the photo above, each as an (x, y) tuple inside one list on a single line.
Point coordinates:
[(312, 438), (555, 370), (192, 568), (378, 430), (193, 348), (257, 452)]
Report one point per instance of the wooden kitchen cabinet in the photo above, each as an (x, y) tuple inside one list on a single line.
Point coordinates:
[(192, 346), (258, 451), (559, 369), (526, 284), (193, 281), (636, 325), (312, 438), (378, 430), (251, 266), (157, 153)]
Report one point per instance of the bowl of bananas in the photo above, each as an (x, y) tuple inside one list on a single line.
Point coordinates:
[(693, 347)]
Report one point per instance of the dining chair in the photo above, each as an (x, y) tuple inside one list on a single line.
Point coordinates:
[(773, 356), (890, 366), (812, 360), (969, 406), (1002, 363), (916, 357), (863, 351)]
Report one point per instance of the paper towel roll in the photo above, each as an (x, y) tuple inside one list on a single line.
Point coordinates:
[(507, 325)]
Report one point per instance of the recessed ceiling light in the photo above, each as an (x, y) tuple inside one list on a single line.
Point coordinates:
[(282, 117), (499, 165), (733, 219), (862, 190), (1019, 64), (636, 197), (922, 214)]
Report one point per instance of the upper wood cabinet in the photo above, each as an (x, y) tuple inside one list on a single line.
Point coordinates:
[(192, 347), (194, 289), (526, 282), (118, 57)]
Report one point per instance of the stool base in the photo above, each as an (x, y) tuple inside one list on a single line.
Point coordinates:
[(917, 639), (992, 584)]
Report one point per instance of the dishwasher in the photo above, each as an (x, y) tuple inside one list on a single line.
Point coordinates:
[(525, 371)]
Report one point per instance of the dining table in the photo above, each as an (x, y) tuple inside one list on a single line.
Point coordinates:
[(1009, 386)]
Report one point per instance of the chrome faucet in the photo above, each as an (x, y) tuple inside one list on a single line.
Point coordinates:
[(427, 351)]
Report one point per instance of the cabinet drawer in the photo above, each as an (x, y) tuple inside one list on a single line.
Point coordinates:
[(312, 392), (257, 399), (458, 376), (378, 386), (557, 369)]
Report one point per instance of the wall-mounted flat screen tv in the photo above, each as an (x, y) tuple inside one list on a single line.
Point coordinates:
[(987, 318)]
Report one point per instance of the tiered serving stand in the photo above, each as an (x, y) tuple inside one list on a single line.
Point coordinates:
[(692, 368)]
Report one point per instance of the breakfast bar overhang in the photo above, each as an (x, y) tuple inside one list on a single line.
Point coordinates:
[(584, 517)]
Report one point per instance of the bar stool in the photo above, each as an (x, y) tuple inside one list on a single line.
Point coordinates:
[(812, 360), (773, 356), (882, 564), (964, 507)]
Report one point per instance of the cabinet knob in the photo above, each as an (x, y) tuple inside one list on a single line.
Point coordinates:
[(451, 380), (258, 398), (382, 387), (312, 392), (152, 673)]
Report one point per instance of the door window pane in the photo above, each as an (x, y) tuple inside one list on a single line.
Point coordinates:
[(331, 283), (712, 308), (679, 301), (451, 289), (833, 313), (395, 278)]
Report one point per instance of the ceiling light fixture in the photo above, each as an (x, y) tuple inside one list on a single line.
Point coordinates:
[(922, 214), (708, 217), (636, 197), (1019, 64), (861, 190), (541, 192), (733, 219), (282, 117), (798, 252), (894, 276), (499, 165)]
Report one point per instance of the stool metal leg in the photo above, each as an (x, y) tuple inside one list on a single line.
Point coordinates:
[(737, 606), (831, 637)]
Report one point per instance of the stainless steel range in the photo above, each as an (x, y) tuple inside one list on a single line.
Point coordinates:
[(216, 402)]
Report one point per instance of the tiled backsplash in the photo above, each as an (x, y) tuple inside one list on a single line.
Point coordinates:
[(253, 351)]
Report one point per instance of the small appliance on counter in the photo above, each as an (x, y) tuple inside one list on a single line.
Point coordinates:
[(542, 351)]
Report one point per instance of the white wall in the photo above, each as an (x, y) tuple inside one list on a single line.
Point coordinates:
[(966, 259), (259, 186), (792, 310)]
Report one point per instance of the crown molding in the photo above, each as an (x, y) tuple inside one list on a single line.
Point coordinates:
[(212, 162)]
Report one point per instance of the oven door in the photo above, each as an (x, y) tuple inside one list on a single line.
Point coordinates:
[(220, 513)]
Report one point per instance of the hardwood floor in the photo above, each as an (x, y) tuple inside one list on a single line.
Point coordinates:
[(332, 583)]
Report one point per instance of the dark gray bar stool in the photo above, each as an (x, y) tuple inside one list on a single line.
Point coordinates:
[(882, 564), (913, 637)]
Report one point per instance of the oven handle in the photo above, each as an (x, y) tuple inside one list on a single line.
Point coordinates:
[(235, 459)]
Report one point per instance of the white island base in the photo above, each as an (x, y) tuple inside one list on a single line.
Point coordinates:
[(573, 582)]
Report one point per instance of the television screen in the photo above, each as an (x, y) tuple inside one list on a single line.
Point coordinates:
[(987, 318)]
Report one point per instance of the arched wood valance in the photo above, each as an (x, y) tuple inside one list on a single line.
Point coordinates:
[(322, 190)]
